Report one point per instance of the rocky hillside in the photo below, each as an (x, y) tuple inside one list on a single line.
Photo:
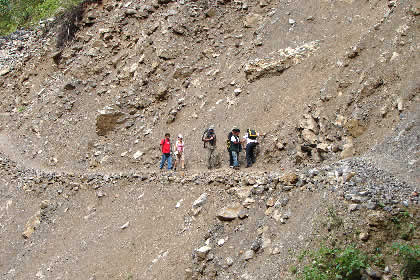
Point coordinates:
[(330, 85)]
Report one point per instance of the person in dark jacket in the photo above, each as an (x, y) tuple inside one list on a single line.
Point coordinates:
[(235, 147)]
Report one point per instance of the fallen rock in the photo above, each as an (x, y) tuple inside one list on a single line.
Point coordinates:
[(364, 236), (249, 254), (200, 201), (203, 251), (251, 20), (229, 213), (289, 178), (31, 225)]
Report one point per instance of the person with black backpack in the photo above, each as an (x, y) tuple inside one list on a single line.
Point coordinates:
[(209, 139), (251, 142)]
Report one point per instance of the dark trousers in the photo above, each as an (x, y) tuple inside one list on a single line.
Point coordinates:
[(250, 153), (230, 158)]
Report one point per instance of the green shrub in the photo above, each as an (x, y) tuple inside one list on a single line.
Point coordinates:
[(327, 263), (409, 257), (27, 13)]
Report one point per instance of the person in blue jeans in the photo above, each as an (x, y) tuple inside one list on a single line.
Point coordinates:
[(235, 147), (165, 147)]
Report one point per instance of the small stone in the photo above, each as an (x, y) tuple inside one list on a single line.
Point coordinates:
[(137, 155), (292, 21), (100, 194), (276, 250), (395, 55), (400, 104), (229, 213), (200, 201), (371, 205), (287, 188), (229, 261), (354, 207), (237, 91), (249, 254), (270, 202), (243, 214), (256, 245), (195, 211), (220, 242), (364, 236), (124, 226), (44, 204), (4, 71), (373, 274), (130, 12), (203, 251), (248, 202)]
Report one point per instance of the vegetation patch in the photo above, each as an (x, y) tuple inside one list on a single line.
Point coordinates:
[(392, 242), (16, 14), (335, 263)]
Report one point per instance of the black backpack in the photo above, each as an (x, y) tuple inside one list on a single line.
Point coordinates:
[(207, 134)]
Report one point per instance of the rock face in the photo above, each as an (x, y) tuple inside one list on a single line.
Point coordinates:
[(278, 61), (107, 119)]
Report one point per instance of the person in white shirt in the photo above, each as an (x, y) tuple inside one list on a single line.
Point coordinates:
[(251, 143), (235, 147)]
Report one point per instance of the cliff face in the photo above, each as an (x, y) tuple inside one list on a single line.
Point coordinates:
[(80, 127)]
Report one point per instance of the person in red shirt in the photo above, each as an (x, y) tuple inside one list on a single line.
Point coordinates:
[(165, 147)]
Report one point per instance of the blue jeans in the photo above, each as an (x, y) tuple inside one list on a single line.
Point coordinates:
[(164, 158), (235, 158)]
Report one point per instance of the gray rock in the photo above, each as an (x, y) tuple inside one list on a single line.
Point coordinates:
[(229, 261), (354, 207), (200, 201), (130, 12), (229, 213), (364, 236), (203, 251), (249, 254)]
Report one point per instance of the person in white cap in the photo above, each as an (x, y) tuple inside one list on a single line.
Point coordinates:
[(179, 152)]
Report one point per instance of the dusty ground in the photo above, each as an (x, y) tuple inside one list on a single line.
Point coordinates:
[(350, 69)]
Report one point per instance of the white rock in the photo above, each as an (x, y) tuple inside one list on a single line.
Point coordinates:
[(249, 254), (395, 55), (203, 251), (221, 242), (124, 226), (200, 201), (137, 155), (292, 21)]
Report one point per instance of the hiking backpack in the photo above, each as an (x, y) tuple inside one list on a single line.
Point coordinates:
[(252, 134), (228, 141), (207, 134)]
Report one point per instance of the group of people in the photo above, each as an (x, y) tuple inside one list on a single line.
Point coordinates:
[(166, 149), (234, 145)]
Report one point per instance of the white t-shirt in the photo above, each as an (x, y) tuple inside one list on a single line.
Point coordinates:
[(234, 138), (249, 140)]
